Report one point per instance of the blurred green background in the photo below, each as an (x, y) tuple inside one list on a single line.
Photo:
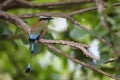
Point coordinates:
[(48, 65)]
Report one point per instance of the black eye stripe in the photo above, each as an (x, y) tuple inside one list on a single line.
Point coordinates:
[(46, 18)]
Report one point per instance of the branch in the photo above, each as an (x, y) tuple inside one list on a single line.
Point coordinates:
[(53, 14), (15, 20), (82, 10), (80, 46), (39, 5), (101, 8), (90, 9), (100, 5), (53, 5), (5, 3), (111, 60), (80, 62)]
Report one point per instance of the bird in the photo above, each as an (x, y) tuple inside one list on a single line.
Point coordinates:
[(38, 30)]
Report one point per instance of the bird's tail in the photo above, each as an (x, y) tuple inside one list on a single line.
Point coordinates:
[(32, 46)]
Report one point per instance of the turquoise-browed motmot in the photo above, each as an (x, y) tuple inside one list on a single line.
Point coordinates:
[(37, 31)]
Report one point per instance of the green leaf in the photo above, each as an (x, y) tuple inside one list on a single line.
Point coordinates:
[(79, 34)]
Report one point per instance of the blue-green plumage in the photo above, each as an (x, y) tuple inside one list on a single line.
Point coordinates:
[(32, 38)]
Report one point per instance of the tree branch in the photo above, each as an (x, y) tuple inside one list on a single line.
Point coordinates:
[(5, 3), (26, 3), (53, 5), (111, 60), (80, 46), (100, 5), (90, 9), (82, 10), (53, 14), (80, 62), (15, 20)]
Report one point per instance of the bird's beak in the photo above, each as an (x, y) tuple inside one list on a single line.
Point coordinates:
[(49, 18)]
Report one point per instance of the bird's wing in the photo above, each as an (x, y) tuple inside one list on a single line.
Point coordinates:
[(38, 27)]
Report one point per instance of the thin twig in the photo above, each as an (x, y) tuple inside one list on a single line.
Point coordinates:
[(80, 11), (80, 62), (110, 60)]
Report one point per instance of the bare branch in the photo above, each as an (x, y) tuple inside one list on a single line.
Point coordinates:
[(53, 5), (100, 5), (5, 3), (43, 14), (90, 9), (82, 10), (80, 62), (101, 8), (15, 20), (80, 46), (111, 60)]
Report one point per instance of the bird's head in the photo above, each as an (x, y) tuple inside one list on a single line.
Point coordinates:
[(45, 18)]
